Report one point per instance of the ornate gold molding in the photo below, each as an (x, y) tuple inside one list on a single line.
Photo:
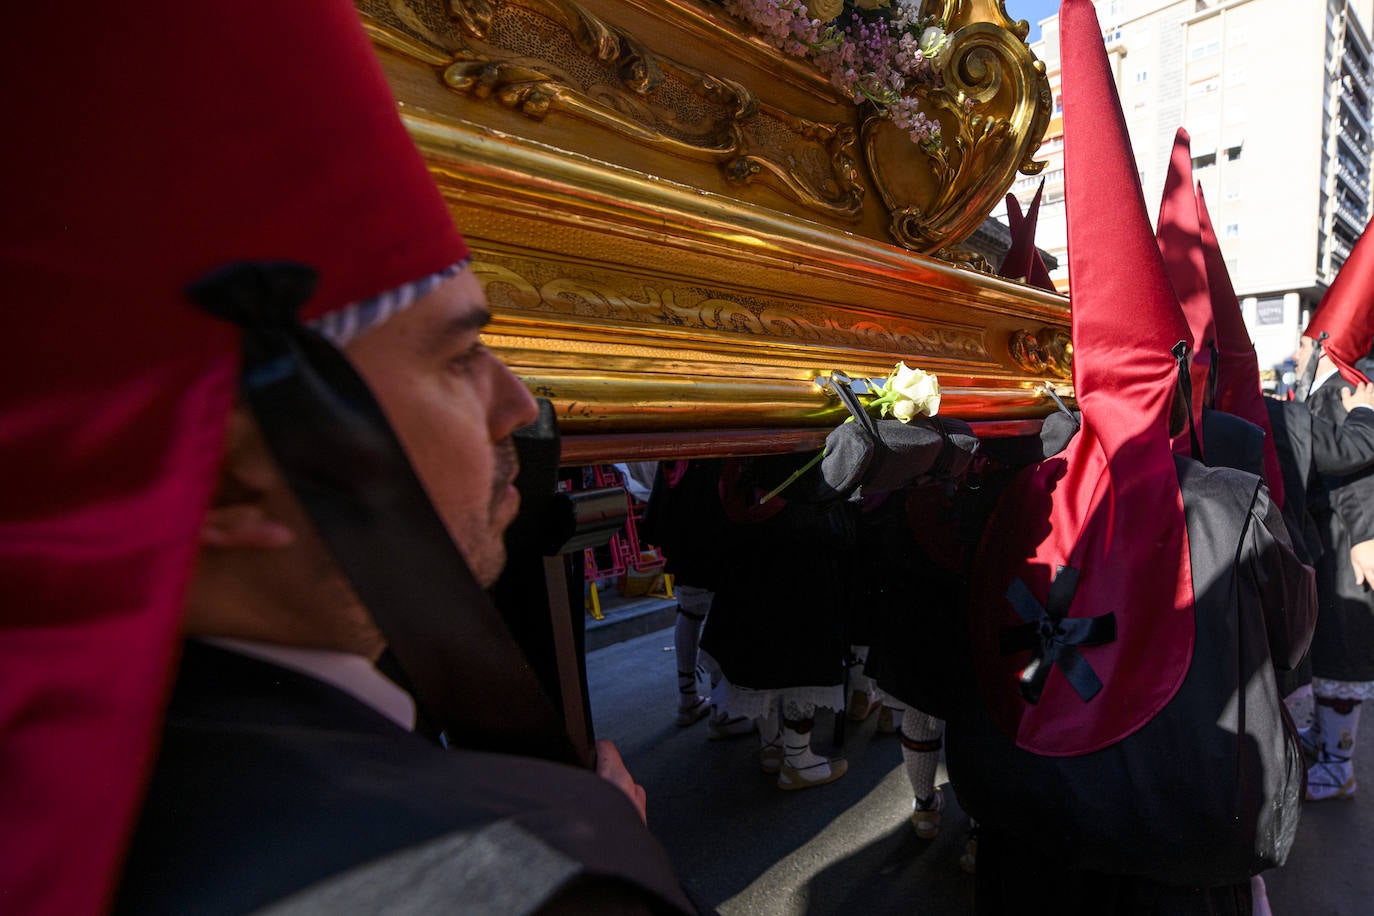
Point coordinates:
[(538, 57), (698, 314), (548, 60)]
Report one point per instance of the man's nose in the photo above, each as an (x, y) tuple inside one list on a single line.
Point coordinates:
[(515, 406)]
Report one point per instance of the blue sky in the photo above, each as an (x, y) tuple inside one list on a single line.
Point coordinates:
[(1032, 11)]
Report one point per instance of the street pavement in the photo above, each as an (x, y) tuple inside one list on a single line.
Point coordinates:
[(745, 847)]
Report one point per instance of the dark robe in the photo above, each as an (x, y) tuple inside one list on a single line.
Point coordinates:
[(912, 590), (1174, 818), (1311, 445), (271, 783), (1341, 503), (787, 573), (686, 521)]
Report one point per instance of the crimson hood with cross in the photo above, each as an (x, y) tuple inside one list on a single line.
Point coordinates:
[(1082, 622)]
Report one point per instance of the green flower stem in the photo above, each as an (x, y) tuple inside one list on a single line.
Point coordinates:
[(881, 402), (796, 474)]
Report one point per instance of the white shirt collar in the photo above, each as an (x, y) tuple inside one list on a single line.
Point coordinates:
[(1323, 380), (353, 674)]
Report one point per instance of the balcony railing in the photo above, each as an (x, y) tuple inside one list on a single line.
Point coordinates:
[(1338, 248), (1354, 111), (1353, 221), (1361, 150)]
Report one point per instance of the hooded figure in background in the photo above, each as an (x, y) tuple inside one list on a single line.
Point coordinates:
[(1326, 441), (1023, 261), (247, 401), (1234, 385), (1124, 744), (1224, 439)]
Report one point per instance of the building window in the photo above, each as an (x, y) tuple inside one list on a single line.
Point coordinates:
[(1205, 160), (1058, 104), (1233, 230), (1142, 76), (1204, 49), (1235, 76), (1233, 192), (1236, 35), (1233, 153)]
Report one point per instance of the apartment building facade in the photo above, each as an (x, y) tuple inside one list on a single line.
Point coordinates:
[(1277, 96)]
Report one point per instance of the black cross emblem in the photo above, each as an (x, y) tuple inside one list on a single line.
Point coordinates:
[(1053, 638)]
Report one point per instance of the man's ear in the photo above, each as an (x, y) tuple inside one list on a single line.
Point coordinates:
[(239, 516)]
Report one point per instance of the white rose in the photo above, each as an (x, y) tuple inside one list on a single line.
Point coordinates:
[(932, 41), (918, 393)]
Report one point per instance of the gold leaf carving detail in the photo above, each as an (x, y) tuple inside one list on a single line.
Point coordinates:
[(518, 286), (538, 57), (1048, 351), (993, 108), (817, 167)]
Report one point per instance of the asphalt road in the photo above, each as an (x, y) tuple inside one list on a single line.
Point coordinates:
[(746, 847)]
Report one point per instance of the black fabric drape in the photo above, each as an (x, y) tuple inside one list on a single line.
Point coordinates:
[(1208, 792), (270, 782), (1342, 509)]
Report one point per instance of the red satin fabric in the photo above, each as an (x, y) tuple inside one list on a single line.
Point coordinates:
[(1023, 259), (1180, 244), (1110, 504), (1238, 383), (1346, 312), (150, 143)]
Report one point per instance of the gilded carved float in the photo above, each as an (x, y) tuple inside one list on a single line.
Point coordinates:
[(681, 229)]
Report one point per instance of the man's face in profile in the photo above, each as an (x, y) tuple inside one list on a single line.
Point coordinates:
[(1305, 347), (453, 405)]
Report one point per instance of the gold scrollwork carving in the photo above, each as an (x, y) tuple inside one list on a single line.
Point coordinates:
[(542, 56), (993, 107), (821, 171)]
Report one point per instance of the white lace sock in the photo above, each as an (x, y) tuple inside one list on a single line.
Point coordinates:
[(921, 739), (693, 605)]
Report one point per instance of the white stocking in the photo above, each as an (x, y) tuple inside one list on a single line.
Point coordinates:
[(921, 739), (693, 605)]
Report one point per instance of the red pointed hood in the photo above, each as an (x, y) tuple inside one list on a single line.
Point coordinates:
[(1346, 313), (1237, 371), (1180, 244), (1108, 509), (210, 132), (1023, 261)]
